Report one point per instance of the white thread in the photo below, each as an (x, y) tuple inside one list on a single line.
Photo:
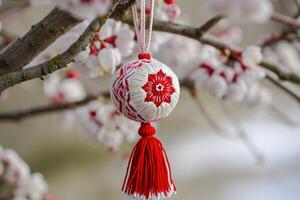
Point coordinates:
[(140, 28)]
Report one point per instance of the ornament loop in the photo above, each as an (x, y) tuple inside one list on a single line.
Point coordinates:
[(140, 28)]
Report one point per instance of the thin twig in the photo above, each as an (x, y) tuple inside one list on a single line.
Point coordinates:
[(284, 88), (217, 127), (191, 32), (243, 136), (50, 108), (275, 110), (286, 20), (209, 24), (46, 109), (298, 9)]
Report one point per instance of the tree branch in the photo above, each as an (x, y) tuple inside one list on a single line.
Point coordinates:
[(19, 115), (41, 35), (40, 110), (191, 32), (62, 60), (284, 88), (286, 20)]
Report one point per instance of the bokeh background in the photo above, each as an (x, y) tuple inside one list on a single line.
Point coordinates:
[(206, 165)]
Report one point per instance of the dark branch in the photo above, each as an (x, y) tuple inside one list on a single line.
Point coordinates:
[(59, 61), (284, 88), (41, 35), (31, 112)]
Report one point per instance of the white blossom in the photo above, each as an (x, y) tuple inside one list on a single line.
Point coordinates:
[(34, 188), (103, 123), (228, 32), (179, 53), (85, 9), (67, 89), (209, 55), (107, 48), (252, 56), (258, 95), (217, 86), (228, 79), (288, 55), (40, 2), (15, 173), (237, 91), (258, 11), (71, 90)]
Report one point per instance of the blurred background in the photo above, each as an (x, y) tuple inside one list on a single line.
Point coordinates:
[(206, 165)]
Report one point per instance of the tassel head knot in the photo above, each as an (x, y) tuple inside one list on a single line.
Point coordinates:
[(146, 130)]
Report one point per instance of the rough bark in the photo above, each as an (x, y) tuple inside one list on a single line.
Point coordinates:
[(41, 35)]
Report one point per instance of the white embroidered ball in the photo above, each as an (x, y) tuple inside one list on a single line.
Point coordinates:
[(145, 90)]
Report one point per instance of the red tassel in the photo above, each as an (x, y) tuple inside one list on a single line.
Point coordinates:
[(148, 174)]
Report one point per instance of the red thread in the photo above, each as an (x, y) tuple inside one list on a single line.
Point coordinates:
[(111, 40), (146, 130), (148, 11), (210, 70), (146, 56), (169, 2), (73, 74), (159, 88), (148, 173)]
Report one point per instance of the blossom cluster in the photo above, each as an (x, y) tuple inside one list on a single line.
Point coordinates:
[(257, 11), (216, 72), (96, 120), (102, 122), (82, 9), (107, 48), (16, 180), (226, 78)]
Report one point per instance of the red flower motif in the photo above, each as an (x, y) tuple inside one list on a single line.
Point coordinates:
[(159, 88)]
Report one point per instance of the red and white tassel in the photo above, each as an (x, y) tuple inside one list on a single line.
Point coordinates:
[(148, 175)]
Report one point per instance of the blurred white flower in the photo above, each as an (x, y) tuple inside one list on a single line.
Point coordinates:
[(258, 95), (107, 48), (217, 86), (71, 90), (17, 171), (237, 91), (103, 123), (173, 11), (60, 90), (200, 77), (252, 56), (258, 11), (16, 175), (34, 188), (227, 32), (225, 78), (40, 2), (180, 54), (209, 55), (288, 55), (108, 60), (84, 9)]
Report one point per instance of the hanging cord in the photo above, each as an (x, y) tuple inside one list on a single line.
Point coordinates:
[(143, 34)]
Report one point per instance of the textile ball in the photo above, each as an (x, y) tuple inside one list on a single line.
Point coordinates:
[(145, 90)]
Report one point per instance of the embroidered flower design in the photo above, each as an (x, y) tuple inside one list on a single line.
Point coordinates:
[(159, 88)]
